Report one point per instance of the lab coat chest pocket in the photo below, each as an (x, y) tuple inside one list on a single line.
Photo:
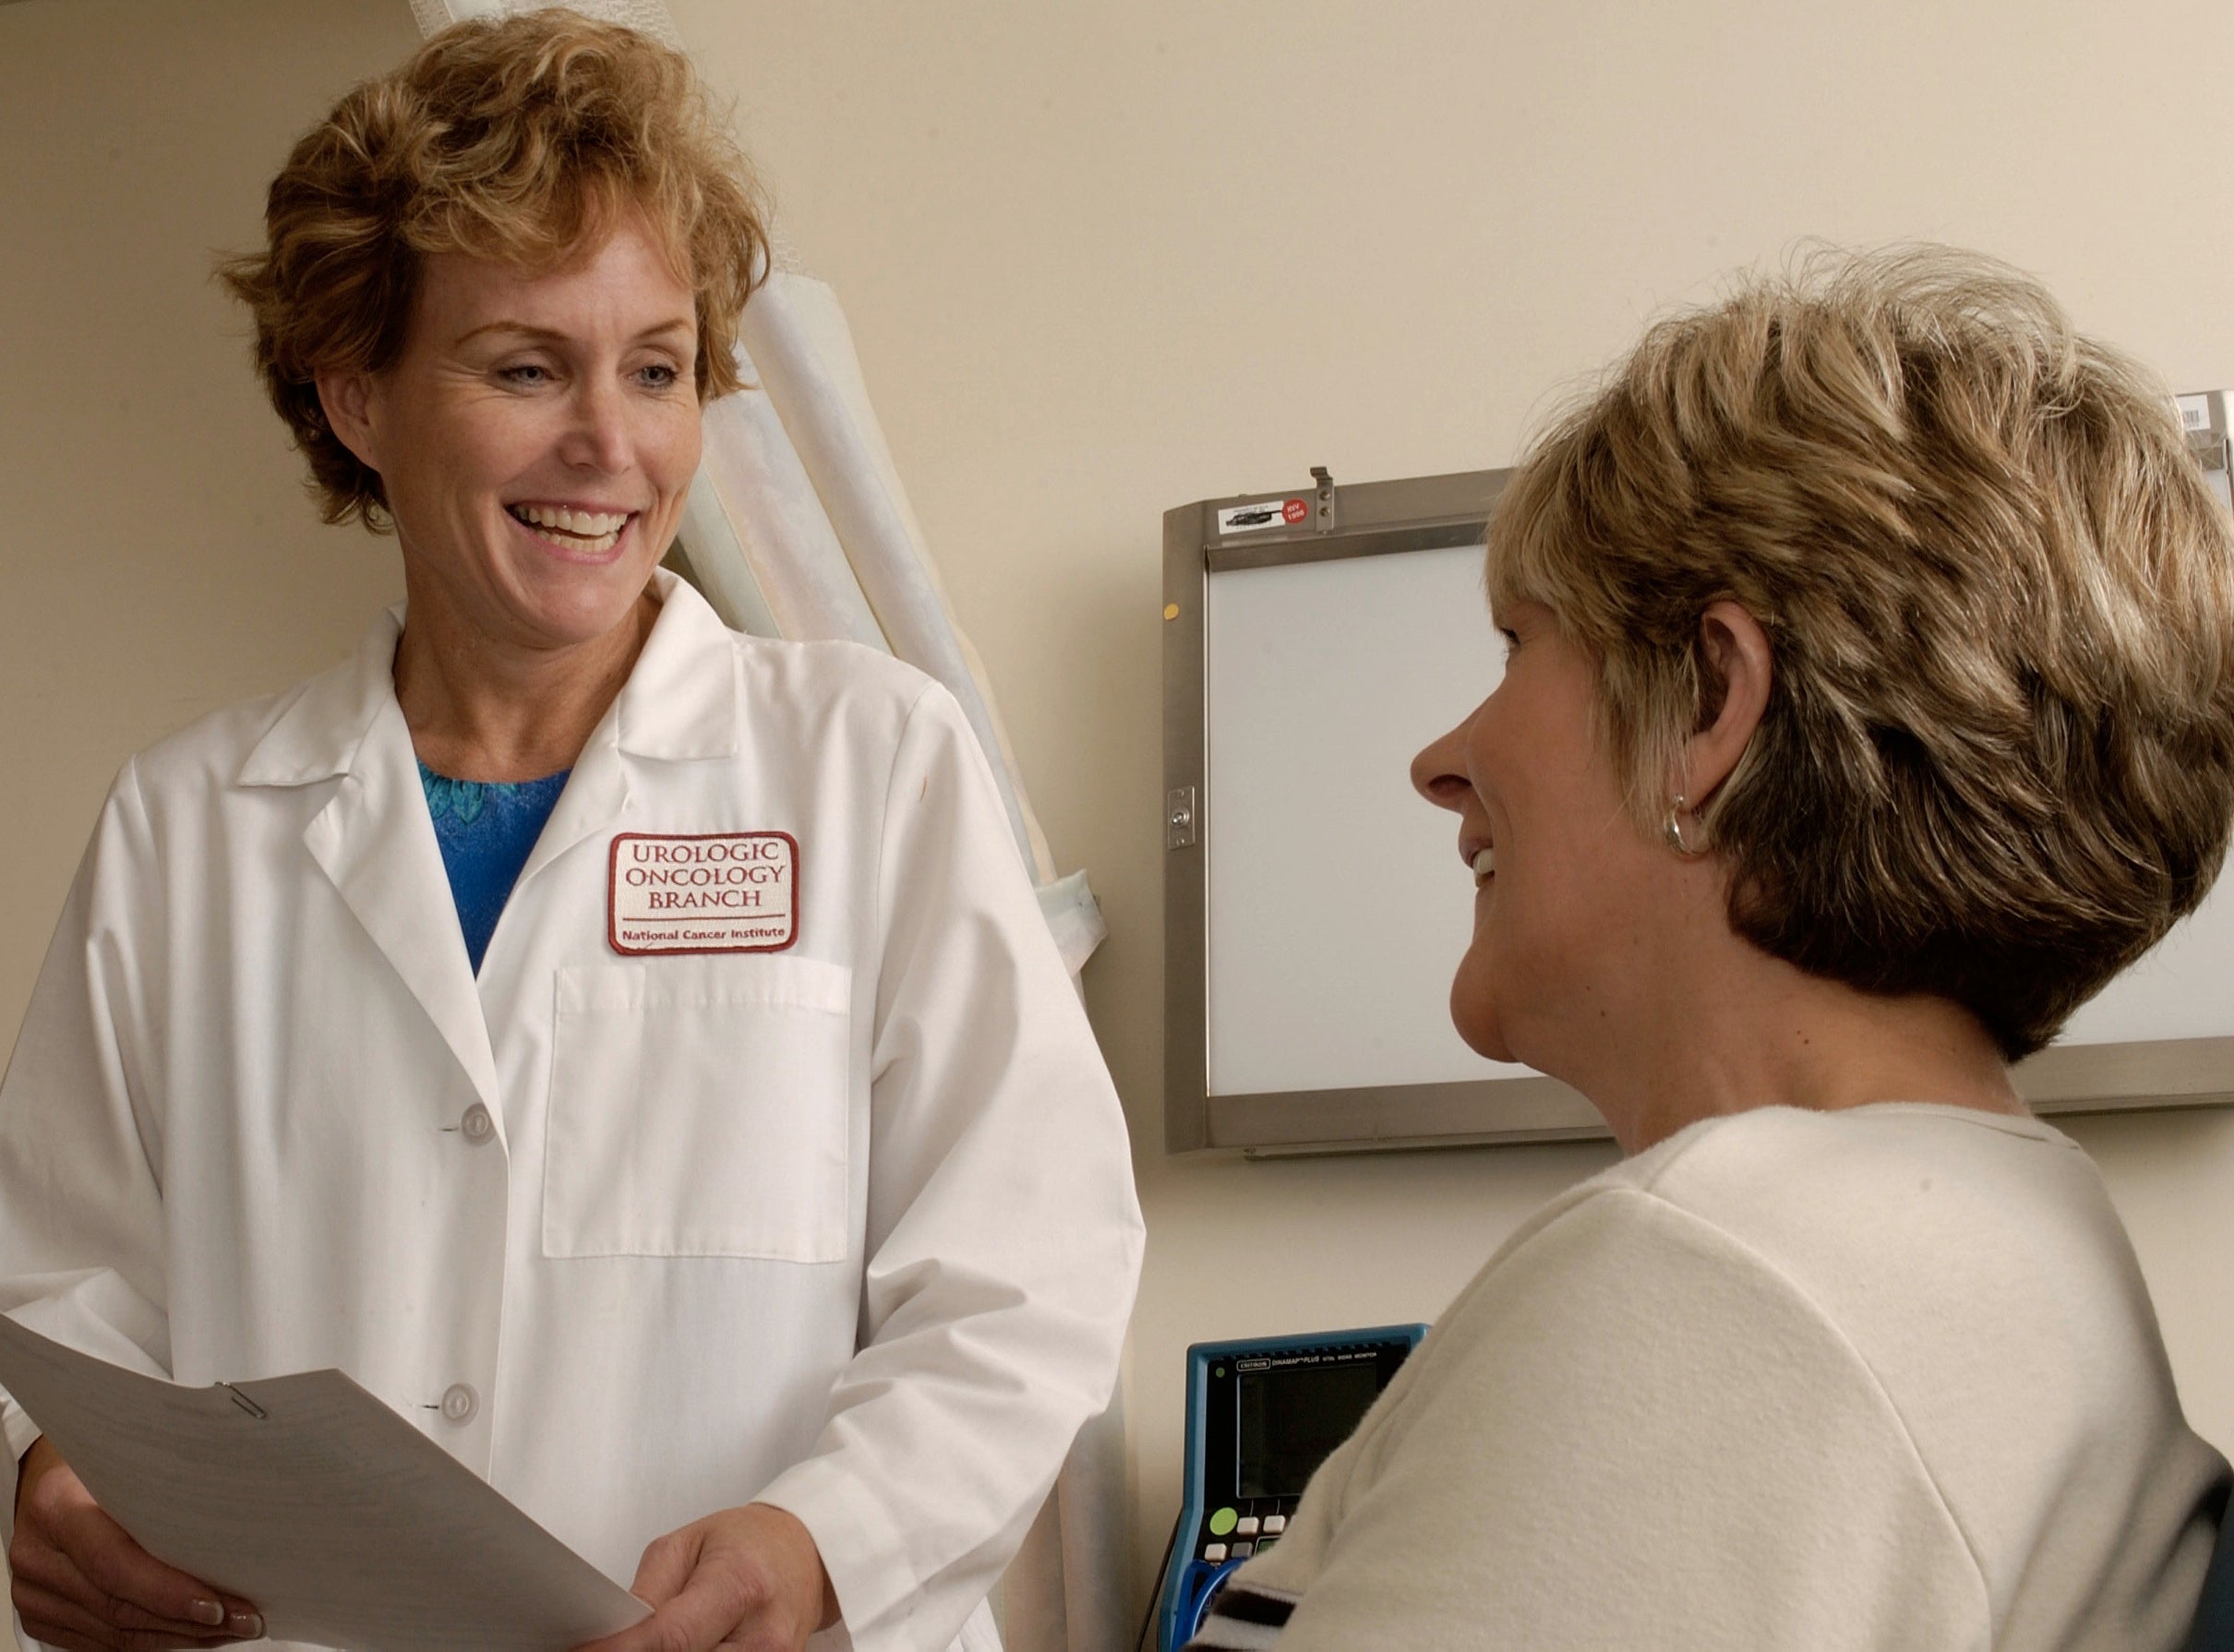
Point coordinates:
[(699, 1107)]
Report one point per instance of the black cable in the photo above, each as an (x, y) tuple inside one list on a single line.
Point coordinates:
[(1164, 1570)]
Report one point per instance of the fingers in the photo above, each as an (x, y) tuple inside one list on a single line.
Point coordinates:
[(90, 1610), (120, 1569), (61, 1621), (695, 1606), (750, 1579), (666, 1565), (709, 1611), (79, 1578), (705, 1613)]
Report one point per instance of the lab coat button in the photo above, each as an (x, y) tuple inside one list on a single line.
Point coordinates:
[(477, 1126), (458, 1400)]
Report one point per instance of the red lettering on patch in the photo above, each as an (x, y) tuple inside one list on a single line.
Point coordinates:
[(718, 892)]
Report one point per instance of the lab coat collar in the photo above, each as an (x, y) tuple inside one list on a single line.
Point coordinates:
[(375, 839), (673, 707), (319, 733), (681, 703)]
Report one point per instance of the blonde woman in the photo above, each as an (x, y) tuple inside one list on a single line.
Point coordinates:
[(1868, 705), (628, 1048)]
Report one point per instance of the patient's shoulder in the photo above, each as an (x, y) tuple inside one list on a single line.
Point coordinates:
[(1892, 1217)]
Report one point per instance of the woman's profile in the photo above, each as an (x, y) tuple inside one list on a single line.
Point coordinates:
[(1868, 705)]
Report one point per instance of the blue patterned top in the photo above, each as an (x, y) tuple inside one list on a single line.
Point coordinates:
[(487, 829)]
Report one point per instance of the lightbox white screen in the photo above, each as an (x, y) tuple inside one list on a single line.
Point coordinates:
[(2184, 989), (1337, 906)]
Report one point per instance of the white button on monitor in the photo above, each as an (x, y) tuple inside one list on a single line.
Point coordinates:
[(1276, 1524), (459, 1402), (1214, 1552), (1246, 1526), (476, 1126)]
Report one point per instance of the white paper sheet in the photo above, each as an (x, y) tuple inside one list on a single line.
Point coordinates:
[(304, 1493)]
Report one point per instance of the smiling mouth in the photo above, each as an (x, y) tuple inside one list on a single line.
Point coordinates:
[(571, 530)]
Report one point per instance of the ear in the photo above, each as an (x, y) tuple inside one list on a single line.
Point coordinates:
[(351, 404), (1737, 652)]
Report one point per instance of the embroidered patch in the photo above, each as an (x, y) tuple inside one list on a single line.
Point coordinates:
[(724, 892)]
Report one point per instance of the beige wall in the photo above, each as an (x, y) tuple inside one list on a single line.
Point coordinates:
[(156, 555), (1100, 261)]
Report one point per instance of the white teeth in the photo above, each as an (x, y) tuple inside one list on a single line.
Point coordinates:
[(584, 524), (1485, 866)]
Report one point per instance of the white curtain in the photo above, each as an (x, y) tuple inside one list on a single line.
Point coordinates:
[(798, 526)]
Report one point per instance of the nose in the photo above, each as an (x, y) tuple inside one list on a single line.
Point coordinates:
[(1438, 773), (598, 436)]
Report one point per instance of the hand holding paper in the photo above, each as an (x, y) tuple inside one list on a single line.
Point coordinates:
[(305, 1494), (81, 1579), (750, 1579)]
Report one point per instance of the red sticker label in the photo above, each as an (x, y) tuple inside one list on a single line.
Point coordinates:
[(1291, 512), (725, 891)]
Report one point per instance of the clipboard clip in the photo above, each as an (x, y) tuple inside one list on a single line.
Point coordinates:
[(244, 1403)]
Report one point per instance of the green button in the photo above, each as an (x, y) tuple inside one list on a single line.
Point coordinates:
[(1223, 1522)]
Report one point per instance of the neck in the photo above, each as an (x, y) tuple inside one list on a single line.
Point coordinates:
[(479, 708), (1724, 1028)]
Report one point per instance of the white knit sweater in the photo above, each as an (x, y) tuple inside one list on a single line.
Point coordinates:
[(1887, 1378)]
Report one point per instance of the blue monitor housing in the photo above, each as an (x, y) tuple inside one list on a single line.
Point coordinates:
[(1262, 1415)]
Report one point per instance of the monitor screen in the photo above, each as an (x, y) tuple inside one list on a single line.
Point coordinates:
[(1293, 1416)]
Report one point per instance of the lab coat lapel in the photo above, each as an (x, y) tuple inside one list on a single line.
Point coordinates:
[(680, 704), (375, 841)]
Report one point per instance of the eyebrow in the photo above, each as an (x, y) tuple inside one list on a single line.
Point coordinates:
[(552, 336)]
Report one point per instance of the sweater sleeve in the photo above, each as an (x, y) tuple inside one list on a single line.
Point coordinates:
[(1632, 1430)]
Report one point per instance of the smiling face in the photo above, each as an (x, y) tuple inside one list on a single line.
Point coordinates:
[(536, 440), (1564, 879)]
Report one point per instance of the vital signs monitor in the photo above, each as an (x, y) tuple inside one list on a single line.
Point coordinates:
[(1262, 1415)]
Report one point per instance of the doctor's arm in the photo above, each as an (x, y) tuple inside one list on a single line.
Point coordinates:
[(81, 1248), (1004, 1238)]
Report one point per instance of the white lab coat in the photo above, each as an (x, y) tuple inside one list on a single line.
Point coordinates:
[(848, 1229)]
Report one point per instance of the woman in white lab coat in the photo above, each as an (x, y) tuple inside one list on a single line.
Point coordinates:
[(628, 1048), (1869, 704)]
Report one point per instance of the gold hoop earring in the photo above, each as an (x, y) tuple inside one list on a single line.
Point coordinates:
[(1672, 831)]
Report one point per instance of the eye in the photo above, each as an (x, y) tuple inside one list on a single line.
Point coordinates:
[(658, 376), (1510, 638), (525, 375)]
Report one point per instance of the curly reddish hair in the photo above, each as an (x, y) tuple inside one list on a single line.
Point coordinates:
[(515, 139)]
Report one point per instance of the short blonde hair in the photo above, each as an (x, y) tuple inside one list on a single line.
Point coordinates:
[(515, 139), (1997, 762)]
